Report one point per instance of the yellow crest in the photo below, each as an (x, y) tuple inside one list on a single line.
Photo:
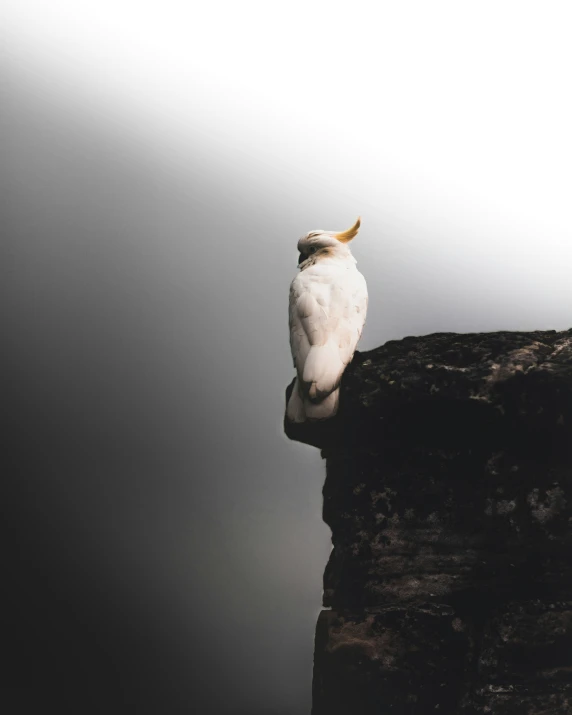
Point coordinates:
[(346, 236)]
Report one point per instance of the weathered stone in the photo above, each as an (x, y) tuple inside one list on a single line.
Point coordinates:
[(449, 496), (395, 659), (525, 658)]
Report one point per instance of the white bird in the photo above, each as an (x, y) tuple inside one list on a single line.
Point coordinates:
[(328, 304)]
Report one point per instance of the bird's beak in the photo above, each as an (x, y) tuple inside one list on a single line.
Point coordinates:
[(301, 258)]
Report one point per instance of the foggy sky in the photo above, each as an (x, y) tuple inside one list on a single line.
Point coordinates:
[(160, 162)]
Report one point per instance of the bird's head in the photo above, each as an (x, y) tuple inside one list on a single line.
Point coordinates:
[(318, 244)]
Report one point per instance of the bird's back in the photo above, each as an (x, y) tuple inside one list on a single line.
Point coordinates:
[(328, 304)]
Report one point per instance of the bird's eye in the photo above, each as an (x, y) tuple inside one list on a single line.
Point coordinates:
[(312, 249)]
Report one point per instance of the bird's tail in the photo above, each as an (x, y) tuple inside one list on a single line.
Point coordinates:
[(323, 371), (323, 410), (295, 410), (301, 409), (316, 394)]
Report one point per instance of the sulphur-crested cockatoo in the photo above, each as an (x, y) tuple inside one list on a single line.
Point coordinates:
[(328, 304)]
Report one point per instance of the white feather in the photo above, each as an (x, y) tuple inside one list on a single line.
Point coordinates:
[(328, 304)]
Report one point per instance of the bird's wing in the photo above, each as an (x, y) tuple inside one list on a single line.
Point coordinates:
[(360, 301), (352, 297), (326, 320), (306, 321)]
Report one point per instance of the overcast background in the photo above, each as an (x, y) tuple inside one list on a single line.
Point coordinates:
[(159, 162)]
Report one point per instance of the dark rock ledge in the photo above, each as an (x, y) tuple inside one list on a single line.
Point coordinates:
[(449, 496)]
